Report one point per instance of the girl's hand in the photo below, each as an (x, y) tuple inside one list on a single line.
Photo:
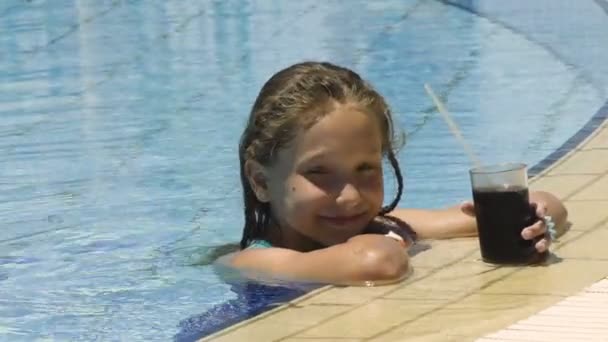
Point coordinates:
[(537, 231)]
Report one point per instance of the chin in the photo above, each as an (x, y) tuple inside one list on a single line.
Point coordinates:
[(343, 236), (332, 242)]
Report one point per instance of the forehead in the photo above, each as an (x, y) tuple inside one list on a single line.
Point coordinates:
[(346, 130)]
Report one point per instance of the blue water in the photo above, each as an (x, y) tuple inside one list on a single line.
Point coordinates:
[(120, 123)]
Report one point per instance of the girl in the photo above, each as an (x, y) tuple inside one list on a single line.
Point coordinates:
[(311, 170)]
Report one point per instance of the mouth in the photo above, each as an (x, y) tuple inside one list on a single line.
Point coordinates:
[(344, 220)]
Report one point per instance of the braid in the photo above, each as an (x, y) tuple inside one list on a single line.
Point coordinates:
[(397, 170)]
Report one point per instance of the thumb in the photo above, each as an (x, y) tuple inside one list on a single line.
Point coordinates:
[(468, 208)]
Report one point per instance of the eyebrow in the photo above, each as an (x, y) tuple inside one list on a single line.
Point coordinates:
[(323, 155), (308, 158)]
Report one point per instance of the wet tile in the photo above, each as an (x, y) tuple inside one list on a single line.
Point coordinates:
[(322, 339), (562, 186), (371, 319), (562, 278), (454, 281), (349, 295), (567, 238), (592, 245), (428, 336), (598, 190), (445, 252), (584, 215), (600, 140), (583, 162), (361, 295), (279, 324)]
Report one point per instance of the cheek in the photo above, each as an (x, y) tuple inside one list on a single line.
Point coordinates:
[(373, 183), (303, 195), (373, 187)]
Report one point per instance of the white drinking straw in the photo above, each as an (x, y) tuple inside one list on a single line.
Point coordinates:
[(452, 125)]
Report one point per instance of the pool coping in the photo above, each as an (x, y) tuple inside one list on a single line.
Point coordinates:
[(570, 319)]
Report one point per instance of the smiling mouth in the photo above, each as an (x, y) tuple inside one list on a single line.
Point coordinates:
[(344, 220)]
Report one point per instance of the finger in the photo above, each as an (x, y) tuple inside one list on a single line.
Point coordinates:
[(543, 245), (537, 229), (533, 205), (541, 210), (548, 241), (468, 208)]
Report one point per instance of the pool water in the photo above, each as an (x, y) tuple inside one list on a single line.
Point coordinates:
[(120, 124)]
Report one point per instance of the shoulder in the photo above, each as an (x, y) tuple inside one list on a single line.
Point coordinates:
[(256, 255)]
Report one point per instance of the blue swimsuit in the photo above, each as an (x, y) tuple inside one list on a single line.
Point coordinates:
[(255, 244)]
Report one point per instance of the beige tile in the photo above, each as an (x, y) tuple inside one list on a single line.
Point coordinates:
[(598, 190), (280, 324), (444, 252), (592, 245), (329, 339), (586, 214), (551, 167), (452, 282), (428, 336), (361, 295), (562, 186), (563, 278), (371, 318), (468, 318), (600, 140), (348, 295), (583, 162), (569, 237)]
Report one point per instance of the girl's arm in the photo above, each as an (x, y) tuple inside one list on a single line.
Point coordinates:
[(459, 221), (363, 258), (439, 223)]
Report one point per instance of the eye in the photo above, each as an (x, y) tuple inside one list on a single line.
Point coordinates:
[(367, 168), (317, 170)]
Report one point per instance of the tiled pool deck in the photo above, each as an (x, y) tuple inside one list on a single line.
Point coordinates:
[(453, 296)]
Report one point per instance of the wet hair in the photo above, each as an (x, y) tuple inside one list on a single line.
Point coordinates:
[(296, 98)]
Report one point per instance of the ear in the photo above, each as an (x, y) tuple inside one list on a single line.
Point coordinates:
[(256, 175)]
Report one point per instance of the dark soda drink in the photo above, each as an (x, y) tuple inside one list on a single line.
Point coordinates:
[(502, 213)]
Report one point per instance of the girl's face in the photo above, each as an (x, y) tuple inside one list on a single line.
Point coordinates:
[(327, 184)]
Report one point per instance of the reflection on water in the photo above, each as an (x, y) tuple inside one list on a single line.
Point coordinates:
[(120, 122)]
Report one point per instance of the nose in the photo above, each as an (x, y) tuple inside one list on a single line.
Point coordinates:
[(349, 196)]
